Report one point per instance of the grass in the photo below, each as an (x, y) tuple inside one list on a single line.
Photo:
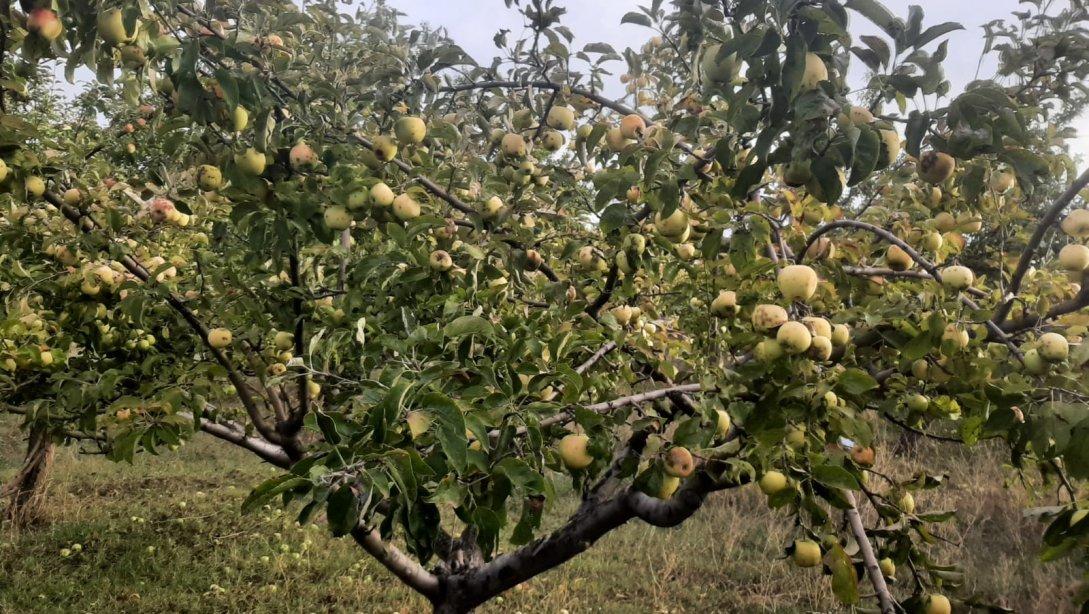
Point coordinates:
[(166, 536)]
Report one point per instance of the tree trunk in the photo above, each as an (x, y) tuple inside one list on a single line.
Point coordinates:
[(26, 490)]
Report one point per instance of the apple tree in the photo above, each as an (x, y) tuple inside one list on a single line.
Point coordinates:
[(436, 292)]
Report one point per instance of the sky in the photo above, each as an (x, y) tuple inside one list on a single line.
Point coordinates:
[(472, 23)]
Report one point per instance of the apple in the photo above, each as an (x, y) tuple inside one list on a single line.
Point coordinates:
[(821, 249), (313, 389), (73, 196), (614, 138), (513, 145), (722, 423), (918, 403), (969, 223), (276, 369), (240, 118), (552, 140), (685, 251), (385, 149), (561, 118), (219, 338), (1034, 363), (251, 162), (890, 147), (907, 503), (161, 209), (1076, 224), (1053, 347), (718, 70), (284, 340), (45, 23), (815, 72), (725, 304), (674, 225), (440, 260), (888, 568), (898, 259), (1074, 257), (209, 177), (302, 157), (937, 604), (935, 167), (794, 337), (3, 170), (382, 195), (944, 222), (797, 282), (956, 336), (410, 130), (1001, 181), (573, 451), (820, 348), (633, 126), (111, 27), (932, 241), (795, 437), (768, 350), (819, 327), (860, 116), (773, 482), (668, 486), (768, 317), (35, 186), (957, 277), (863, 456), (807, 553), (679, 462), (337, 218), (405, 208), (133, 56)]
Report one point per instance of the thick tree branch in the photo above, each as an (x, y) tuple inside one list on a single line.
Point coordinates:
[(1029, 321), (873, 569), (235, 433), (408, 571)]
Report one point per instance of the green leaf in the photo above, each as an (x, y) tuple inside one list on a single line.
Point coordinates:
[(342, 511), (636, 18), (469, 325), (934, 32), (270, 489), (835, 476), (856, 382), (844, 576), (450, 427), (878, 14)]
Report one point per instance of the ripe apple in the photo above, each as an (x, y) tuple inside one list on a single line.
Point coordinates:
[(161, 209), (888, 568), (405, 208), (768, 317), (860, 116), (718, 70), (633, 126), (614, 138), (938, 604), (251, 162), (1076, 224), (493, 207), (898, 259), (573, 451), (725, 304), (768, 350), (794, 337), (907, 503), (410, 130), (313, 389), (302, 157), (1053, 347), (35, 186), (561, 118), (284, 340), (45, 23), (209, 177), (932, 241), (679, 462), (552, 140), (240, 118), (513, 145), (821, 249), (385, 149), (672, 226), (944, 222), (1001, 180), (807, 553), (111, 27), (3, 170), (337, 218), (815, 72), (863, 456), (219, 338), (773, 482), (819, 327), (382, 195), (1074, 257), (722, 423), (440, 260), (890, 147), (956, 336), (820, 348), (1034, 363), (668, 486), (73, 196), (935, 167), (797, 282), (918, 403), (957, 277)]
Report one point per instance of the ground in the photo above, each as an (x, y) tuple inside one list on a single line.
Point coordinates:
[(166, 535)]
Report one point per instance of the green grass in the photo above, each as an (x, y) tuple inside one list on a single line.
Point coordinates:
[(166, 535)]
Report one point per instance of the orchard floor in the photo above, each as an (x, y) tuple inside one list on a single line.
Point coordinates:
[(166, 535)]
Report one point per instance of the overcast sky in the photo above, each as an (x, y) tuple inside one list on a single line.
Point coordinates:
[(472, 23)]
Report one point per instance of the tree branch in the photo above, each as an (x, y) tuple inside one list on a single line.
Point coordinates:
[(873, 569), (408, 571)]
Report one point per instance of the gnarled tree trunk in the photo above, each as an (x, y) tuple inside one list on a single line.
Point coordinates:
[(26, 490)]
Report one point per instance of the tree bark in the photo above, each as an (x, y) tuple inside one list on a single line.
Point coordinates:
[(26, 490)]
